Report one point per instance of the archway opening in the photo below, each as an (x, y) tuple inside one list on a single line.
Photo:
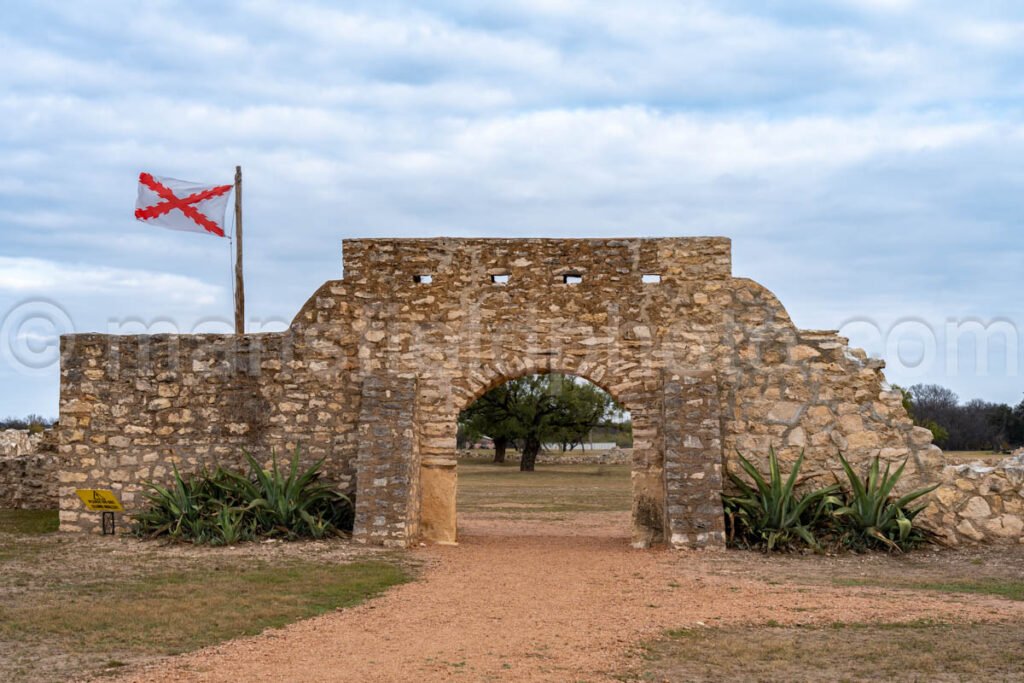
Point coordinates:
[(545, 454)]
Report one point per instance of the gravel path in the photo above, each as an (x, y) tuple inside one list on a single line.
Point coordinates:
[(530, 605)]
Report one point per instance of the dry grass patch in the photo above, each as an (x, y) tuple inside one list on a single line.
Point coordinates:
[(488, 487), (79, 605), (914, 651)]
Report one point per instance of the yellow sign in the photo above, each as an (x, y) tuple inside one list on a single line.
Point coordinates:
[(99, 500)]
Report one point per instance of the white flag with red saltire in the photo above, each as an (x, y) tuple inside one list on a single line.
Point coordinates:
[(181, 205)]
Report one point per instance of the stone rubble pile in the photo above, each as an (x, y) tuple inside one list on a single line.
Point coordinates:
[(983, 503)]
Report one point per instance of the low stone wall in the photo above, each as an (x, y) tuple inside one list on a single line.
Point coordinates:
[(981, 503), (18, 442), (614, 456), (28, 471)]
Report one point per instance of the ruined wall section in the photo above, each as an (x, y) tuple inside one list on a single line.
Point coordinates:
[(133, 408), (424, 327), (784, 387), (28, 470), (462, 333), (805, 390)]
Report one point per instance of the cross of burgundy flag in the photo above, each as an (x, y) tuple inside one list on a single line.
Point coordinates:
[(181, 205)]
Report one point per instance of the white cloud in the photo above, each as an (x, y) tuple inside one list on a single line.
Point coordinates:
[(24, 275), (990, 34), (882, 5)]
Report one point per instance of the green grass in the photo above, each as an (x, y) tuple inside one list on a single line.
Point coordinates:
[(90, 620), (1004, 588), (487, 487), (29, 521)]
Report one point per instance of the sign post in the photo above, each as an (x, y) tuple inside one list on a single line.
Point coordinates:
[(104, 502)]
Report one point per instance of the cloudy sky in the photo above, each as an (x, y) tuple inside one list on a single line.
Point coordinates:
[(865, 156)]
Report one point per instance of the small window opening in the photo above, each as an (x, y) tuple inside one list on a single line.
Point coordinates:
[(423, 279), (499, 279), (572, 278), (651, 278)]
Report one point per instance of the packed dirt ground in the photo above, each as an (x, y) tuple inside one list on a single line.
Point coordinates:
[(544, 587), (520, 600)]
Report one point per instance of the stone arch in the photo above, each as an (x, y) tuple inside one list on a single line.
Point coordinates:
[(438, 475)]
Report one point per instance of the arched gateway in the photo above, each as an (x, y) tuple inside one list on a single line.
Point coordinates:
[(375, 368)]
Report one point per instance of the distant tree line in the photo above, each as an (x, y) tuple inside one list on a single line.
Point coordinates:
[(976, 425), (33, 423)]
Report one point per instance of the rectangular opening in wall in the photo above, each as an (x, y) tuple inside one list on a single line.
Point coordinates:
[(423, 279), (572, 278), (651, 278), (499, 279)]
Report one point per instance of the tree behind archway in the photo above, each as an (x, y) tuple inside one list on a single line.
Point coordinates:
[(534, 410)]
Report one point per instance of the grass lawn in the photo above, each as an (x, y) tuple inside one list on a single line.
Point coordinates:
[(28, 521), (487, 487), (1004, 588), (916, 651), (79, 606)]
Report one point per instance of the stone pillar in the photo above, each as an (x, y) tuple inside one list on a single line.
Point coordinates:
[(438, 482), (386, 458), (693, 461)]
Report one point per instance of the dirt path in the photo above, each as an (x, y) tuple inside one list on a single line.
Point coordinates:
[(529, 605)]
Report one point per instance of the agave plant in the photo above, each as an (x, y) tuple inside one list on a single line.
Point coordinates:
[(173, 510), (224, 507), (295, 503), (772, 514), (870, 514), (231, 526)]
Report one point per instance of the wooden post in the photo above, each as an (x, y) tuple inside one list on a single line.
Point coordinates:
[(239, 280)]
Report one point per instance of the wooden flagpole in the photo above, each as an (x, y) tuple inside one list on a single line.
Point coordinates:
[(239, 280)]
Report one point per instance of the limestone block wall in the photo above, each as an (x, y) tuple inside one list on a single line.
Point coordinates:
[(14, 442), (28, 482), (134, 408), (376, 367), (693, 480), (28, 471)]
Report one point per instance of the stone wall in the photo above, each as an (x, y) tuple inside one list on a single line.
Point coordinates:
[(980, 503), (376, 367), (14, 442), (134, 408), (28, 470)]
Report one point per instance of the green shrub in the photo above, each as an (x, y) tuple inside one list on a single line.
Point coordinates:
[(870, 515), (224, 507), (772, 515)]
